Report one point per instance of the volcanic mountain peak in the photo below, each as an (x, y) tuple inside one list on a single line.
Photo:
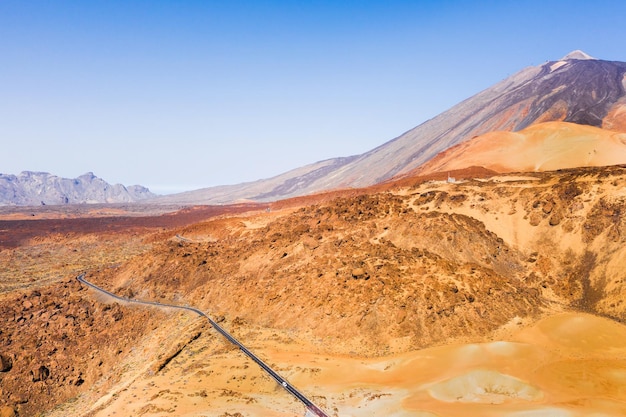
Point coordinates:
[(577, 54), (578, 89)]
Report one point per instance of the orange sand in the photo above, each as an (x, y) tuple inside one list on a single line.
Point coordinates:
[(568, 365), (542, 147)]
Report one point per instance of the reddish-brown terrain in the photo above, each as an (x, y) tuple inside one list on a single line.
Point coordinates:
[(496, 295), (542, 147), (488, 281)]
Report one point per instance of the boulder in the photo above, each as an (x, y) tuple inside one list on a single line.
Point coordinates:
[(40, 374), (7, 411), (360, 273), (6, 363)]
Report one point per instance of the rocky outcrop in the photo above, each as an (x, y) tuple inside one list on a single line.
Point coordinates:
[(41, 188), (57, 340)]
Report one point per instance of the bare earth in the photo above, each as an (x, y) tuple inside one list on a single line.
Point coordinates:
[(541, 147), (571, 364), (497, 296)]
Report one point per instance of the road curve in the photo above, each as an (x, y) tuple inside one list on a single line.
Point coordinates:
[(312, 409)]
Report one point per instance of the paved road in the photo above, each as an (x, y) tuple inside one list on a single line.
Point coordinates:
[(312, 409)]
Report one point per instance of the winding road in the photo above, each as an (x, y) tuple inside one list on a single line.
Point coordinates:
[(311, 409)]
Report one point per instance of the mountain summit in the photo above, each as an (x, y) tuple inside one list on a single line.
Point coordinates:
[(577, 54), (576, 89)]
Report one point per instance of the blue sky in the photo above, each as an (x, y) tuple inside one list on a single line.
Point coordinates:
[(179, 95)]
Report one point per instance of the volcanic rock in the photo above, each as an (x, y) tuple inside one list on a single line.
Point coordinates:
[(6, 411), (6, 363), (40, 374)]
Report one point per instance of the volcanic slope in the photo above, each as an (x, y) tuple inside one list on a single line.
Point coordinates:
[(397, 262), (575, 89), (541, 147), (490, 296)]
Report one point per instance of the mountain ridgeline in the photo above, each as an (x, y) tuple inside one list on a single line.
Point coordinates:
[(41, 188), (576, 89)]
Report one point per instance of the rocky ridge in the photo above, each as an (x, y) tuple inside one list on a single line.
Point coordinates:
[(430, 264), (41, 188)]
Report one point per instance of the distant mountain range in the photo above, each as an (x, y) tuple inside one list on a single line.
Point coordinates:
[(41, 188), (577, 89)]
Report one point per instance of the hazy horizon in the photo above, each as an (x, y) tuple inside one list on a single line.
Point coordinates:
[(198, 94)]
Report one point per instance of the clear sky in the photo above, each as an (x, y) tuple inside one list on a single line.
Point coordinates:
[(180, 95)]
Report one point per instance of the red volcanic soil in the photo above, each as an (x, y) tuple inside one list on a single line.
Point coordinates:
[(18, 225), (14, 232), (407, 180), (542, 147), (455, 174)]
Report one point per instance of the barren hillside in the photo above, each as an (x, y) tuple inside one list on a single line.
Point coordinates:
[(542, 147), (488, 296)]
